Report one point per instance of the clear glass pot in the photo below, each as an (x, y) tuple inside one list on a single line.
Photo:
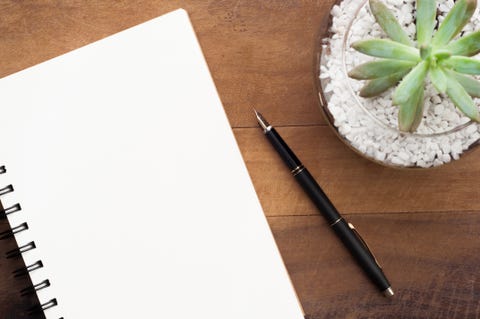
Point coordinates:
[(370, 130)]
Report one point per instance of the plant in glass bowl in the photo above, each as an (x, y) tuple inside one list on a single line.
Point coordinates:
[(398, 79)]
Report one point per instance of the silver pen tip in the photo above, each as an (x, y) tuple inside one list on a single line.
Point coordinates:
[(262, 121), (388, 292)]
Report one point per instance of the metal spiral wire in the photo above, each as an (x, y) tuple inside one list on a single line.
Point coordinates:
[(17, 252)]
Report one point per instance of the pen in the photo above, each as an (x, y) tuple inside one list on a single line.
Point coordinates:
[(344, 230)]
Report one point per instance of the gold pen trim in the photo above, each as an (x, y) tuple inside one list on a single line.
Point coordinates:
[(336, 222), (297, 170), (364, 243)]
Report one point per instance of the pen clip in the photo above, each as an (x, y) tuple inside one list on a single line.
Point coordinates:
[(363, 242)]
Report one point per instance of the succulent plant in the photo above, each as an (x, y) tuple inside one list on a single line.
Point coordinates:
[(448, 62)]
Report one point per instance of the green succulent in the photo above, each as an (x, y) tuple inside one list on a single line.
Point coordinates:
[(448, 64)]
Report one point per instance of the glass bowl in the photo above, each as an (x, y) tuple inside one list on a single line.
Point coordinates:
[(370, 130)]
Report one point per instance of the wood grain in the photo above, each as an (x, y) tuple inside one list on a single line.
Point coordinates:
[(260, 52), (431, 261), (354, 184), (423, 225)]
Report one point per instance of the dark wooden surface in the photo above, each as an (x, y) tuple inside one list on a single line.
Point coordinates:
[(423, 225)]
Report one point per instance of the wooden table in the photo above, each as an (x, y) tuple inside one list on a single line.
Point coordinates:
[(423, 225)]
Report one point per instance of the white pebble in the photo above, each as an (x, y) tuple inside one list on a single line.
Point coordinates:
[(439, 109), (336, 11), (437, 162), (471, 129), (404, 156), (397, 161), (380, 156), (446, 158), (446, 148), (457, 147)]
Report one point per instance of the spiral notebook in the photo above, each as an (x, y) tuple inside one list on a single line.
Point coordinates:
[(134, 198)]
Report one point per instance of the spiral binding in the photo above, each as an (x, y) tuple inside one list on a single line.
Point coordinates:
[(21, 250)]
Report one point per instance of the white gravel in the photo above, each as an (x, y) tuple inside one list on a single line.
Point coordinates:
[(373, 130)]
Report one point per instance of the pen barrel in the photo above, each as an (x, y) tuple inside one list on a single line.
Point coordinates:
[(345, 231), (303, 176), (282, 149), (361, 253), (316, 194)]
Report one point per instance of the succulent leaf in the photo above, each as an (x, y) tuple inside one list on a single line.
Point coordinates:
[(470, 85), (411, 111), (387, 49), (380, 68), (426, 20), (463, 64), (388, 22), (419, 113), (410, 83), (468, 45), (439, 79), (454, 22), (461, 99), (376, 86), (442, 54)]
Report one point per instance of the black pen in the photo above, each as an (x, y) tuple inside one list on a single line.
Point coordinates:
[(347, 233)]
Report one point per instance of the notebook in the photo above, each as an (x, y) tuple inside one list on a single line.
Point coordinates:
[(136, 197)]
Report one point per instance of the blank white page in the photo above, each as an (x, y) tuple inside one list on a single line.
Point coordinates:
[(133, 186)]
